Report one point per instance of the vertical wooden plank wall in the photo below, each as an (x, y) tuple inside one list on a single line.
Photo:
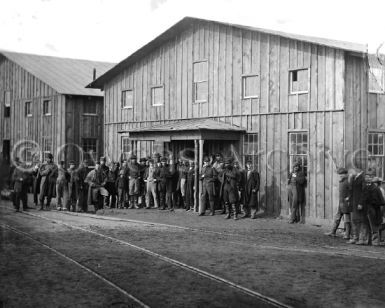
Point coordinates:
[(232, 52)]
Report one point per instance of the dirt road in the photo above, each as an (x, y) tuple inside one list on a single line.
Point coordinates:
[(161, 259)]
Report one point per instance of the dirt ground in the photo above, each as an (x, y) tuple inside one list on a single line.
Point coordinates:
[(294, 264)]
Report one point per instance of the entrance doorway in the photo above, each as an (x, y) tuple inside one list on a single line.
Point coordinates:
[(6, 150)]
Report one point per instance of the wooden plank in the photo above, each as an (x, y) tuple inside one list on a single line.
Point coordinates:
[(284, 75), (284, 164), (313, 167), (222, 71), (189, 59), (264, 101), (215, 71), (269, 169), (237, 71), (321, 85), (256, 69), (329, 79), (339, 79), (320, 161), (263, 161), (328, 171), (314, 78), (228, 71), (348, 121), (274, 74), (277, 164)]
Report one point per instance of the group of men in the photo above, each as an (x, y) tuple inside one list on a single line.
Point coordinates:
[(361, 205), (153, 182)]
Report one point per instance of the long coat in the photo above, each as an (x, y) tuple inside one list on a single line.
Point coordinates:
[(357, 189), (49, 174), (233, 177), (345, 196), (252, 183), (372, 200), (300, 185)]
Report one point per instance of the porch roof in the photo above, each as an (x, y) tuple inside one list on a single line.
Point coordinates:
[(187, 129)]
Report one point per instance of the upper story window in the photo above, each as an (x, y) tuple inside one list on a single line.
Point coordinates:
[(47, 107), (376, 80), (299, 81), (89, 108), (250, 86), (157, 96), (90, 150), (200, 81), (7, 104), (127, 99), (28, 109)]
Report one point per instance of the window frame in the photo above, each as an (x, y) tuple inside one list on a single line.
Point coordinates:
[(382, 82), (195, 83), (7, 104), (376, 156), (243, 86), (291, 71), (91, 160), (294, 155), (28, 111), (45, 150), (132, 144), (90, 113), (152, 90), (46, 114), (255, 154), (123, 95)]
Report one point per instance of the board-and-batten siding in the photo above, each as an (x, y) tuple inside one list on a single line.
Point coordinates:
[(230, 53), (25, 87)]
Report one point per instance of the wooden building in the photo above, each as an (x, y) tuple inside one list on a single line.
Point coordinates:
[(45, 107), (275, 97)]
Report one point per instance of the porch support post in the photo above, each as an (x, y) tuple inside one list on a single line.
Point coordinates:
[(201, 143), (196, 180)]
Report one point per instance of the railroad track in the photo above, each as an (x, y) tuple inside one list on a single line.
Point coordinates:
[(265, 299)]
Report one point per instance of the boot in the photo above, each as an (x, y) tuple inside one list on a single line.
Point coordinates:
[(131, 202), (227, 209), (235, 210), (247, 212), (212, 208), (334, 229), (136, 202), (224, 207), (348, 228), (41, 206)]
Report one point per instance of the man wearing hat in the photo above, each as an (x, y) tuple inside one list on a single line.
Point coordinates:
[(208, 177), (357, 180), (163, 182), (49, 174), (190, 186), (19, 179), (133, 181), (251, 190), (150, 178), (96, 181), (218, 166), (105, 171), (229, 190), (142, 185), (296, 194), (82, 187), (72, 191), (62, 187), (344, 206)]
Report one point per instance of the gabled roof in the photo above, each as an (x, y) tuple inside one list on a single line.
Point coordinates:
[(66, 76), (189, 21), (189, 125)]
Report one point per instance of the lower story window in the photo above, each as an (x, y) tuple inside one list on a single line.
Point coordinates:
[(298, 150), (250, 149), (128, 147), (47, 147), (376, 153), (90, 152)]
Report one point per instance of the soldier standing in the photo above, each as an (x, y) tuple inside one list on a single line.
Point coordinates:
[(150, 178), (229, 189), (208, 177), (190, 186), (62, 187), (251, 191), (218, 166), (96, 180), (163, 178), (297, 182), (133, 181), (82, 187), (49, 173), (19, 180), (142, 185), (105, 170), (73, 194), (357, 183)]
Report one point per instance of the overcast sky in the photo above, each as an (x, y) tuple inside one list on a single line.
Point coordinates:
[(110, 30)]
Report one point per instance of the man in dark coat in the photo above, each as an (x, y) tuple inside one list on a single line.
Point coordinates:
[(344, 205), (296, 194), (150, 178), (105, 170), (49, 174), (164, 180), (82, 187), (36, 183), (229, 190), (251, 190), (218, 166), (19, 179), (134, 172), (190, 186), (357, 182), (96, 180), (62, 187), (73, 194), (208, 177), (142, 185), (112, 175)]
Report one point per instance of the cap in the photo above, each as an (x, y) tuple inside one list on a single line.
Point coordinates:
[(163, 159), (376, 180), (342, 170), (156, 155), (72, 162), (62, 162), (151, 161), (228, 160), (143, 159), (103, 158), (85, 161), (249, 161), (218, 154), (50, 156), (370, 172), (133, 156)]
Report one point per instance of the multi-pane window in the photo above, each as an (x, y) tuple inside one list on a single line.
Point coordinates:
[(376, 80), (200, 81), (28, 155), (299, 81), (250, 86), (89, 146), (47, 107), (376, 153), (157, 95), (47, 147), (127, 99), (298, 150), (28, 109), (128, 147), (250, 149), (89, 108), (7, 104)]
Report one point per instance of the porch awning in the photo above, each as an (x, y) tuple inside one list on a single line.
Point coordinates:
[(191, 129)]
